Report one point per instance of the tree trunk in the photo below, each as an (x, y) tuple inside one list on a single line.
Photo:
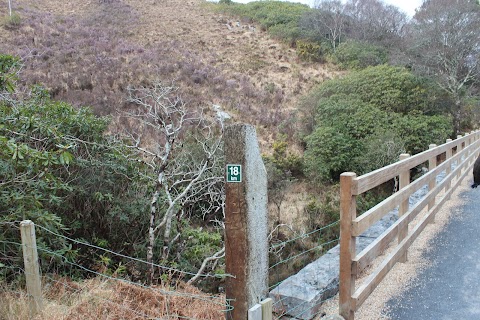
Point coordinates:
[(151, 235)]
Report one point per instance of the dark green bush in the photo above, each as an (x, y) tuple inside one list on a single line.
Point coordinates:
[(359, 55), (388, 88), (362, 122), (59, 170)]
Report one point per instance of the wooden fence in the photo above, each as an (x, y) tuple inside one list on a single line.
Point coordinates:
[(462, 151)]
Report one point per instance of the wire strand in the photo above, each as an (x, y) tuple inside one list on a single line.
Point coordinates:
[(276, 245), (302, 253), (221, 276)]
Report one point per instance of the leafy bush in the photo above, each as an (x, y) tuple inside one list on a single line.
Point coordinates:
[(8, 68), (283, 160), (310, 51), (359, 55), (59, 170), (388, 88), (362, 122), (12, 21), (278, 17), (418, 131)]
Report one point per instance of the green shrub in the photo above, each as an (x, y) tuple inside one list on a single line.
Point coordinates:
[(388, 88), (13, 21), (419, 131), (278, 17), (8, 74), (359, 55), (285, 161), (362, 123), (310, 51), (63, 171), (330, 152)]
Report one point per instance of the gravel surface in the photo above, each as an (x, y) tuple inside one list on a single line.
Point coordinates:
[(401, 277)]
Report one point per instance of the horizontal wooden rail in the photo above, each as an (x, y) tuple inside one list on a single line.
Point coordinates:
[(375, 178), (364, 258), (362, 223), (466, 149)]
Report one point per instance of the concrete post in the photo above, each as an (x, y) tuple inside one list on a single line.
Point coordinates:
[(246, 243)]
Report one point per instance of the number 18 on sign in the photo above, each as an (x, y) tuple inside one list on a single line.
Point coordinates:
[(234, 173)]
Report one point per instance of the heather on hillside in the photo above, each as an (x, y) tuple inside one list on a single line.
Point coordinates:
[(93, 60)]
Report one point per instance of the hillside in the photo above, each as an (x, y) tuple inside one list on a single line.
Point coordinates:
[(89, 52)]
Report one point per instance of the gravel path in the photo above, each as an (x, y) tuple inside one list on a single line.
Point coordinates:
[(404, 275)]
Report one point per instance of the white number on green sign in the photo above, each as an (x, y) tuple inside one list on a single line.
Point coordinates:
[(234, 173)]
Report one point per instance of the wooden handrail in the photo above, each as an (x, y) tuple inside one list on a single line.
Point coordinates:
[(375, 178), (467, 149)]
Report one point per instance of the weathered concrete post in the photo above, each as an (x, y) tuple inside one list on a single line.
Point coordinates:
[(246, 243)]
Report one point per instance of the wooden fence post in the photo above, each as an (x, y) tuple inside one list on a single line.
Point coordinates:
[(432, 164), (448, 155), (267, 309), (404, 180), (255, 312), (246, 225), (32, 270), (348, 212), (459, 148)]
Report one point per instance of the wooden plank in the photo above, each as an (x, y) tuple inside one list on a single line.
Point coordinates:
[(375, 178), (404, 181), (367, 219), (374, 214), (32, 268), (367, 255), (255, 312), (432, 164), (348, 212), (362, 293), (376, 277), (267, 309), (448, 156)]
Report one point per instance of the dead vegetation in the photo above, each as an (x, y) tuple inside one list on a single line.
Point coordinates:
[(97, 299)]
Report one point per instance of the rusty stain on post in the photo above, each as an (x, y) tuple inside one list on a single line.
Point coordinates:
[(246, 243)]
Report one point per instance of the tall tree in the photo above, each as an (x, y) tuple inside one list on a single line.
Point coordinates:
[(444, 43), (327, 22), (374, 21)]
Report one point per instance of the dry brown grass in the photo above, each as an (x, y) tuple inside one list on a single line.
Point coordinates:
[(99, 299)]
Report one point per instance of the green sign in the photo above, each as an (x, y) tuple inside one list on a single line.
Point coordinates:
[(234, 173)]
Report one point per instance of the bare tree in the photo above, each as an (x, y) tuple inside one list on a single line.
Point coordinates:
[(184, 151), (10, 7), (374, 21), (444, 42), (327, 21)]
